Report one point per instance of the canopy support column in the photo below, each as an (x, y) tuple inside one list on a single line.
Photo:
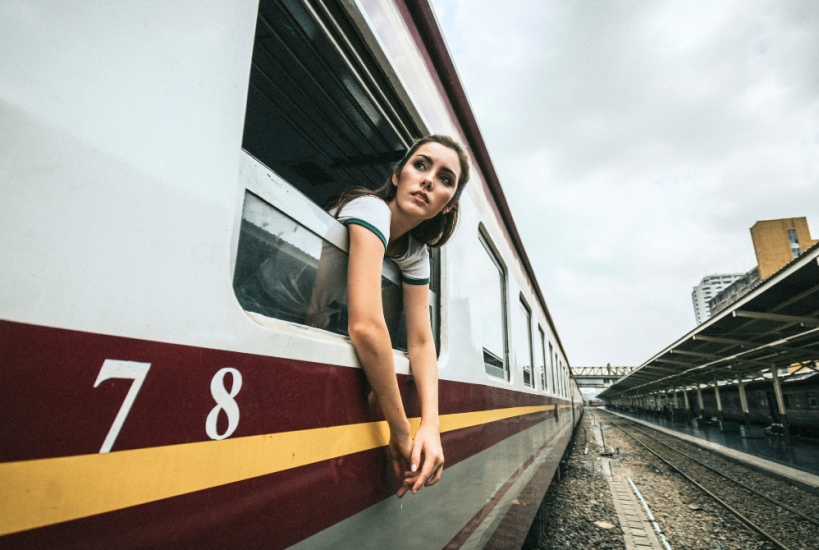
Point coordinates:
[(783, 416), (719, 401), (699, 401), (743, 400)]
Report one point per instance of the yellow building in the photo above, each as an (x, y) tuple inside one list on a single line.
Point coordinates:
[(777, 242)]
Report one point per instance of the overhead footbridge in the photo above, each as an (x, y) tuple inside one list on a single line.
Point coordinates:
[(599, 377), (771, 335)]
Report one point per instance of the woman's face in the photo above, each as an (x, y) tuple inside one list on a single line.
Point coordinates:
[(428, 180)]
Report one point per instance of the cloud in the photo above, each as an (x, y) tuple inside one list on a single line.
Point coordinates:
[(637, 142)]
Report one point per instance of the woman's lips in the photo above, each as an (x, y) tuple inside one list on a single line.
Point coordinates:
[(421, 197)]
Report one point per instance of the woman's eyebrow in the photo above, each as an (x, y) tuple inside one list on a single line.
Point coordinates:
[(429, 160)]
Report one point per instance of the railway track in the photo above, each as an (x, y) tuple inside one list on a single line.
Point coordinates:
[(784, 525)]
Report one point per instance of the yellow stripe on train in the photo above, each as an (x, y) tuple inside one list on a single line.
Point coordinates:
[(36, 493)]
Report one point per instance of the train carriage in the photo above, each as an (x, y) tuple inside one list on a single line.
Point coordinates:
[(166, 382), (800, 394)]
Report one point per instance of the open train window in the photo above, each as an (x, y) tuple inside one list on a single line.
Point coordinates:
[(812, 399), (525, 343), (492, 290), (320, 112), (321, 116)]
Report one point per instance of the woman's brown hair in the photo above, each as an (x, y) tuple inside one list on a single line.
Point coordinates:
[(434, 232)]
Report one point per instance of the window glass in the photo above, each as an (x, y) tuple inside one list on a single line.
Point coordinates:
[(552, 374), (285, 271), (524, 347), (541, 358), (492, 285), (794, 242), (812, 399)]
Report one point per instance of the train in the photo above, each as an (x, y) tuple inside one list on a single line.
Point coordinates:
[(155, 158), (800, 395)]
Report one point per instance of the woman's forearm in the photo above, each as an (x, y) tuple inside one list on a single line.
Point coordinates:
[(425, 372), (371, 341)]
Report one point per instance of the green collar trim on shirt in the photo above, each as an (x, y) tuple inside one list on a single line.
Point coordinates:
[(409, 281), (371, 227)]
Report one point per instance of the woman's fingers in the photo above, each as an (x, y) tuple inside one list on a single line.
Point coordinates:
[(433, 463), (435, 477), (415, 457)]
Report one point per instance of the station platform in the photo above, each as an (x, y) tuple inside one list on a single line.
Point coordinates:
[(797, 463)]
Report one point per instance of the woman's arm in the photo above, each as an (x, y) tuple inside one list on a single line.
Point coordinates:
[(371, 340), (425, 371)]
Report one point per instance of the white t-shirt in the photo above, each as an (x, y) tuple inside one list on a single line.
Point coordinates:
[(374, 214)]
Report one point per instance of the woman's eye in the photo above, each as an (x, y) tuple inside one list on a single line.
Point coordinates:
[(420, 165), (447, 180)]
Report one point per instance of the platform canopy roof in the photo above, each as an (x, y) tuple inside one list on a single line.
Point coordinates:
[(775, 324)]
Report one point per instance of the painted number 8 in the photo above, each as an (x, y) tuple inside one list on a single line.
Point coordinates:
[(224, 402)]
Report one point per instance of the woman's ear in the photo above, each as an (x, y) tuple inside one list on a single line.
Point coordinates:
[(395, 179)]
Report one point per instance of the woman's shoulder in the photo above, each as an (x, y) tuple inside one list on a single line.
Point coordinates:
[(368, 211), (368, 202)]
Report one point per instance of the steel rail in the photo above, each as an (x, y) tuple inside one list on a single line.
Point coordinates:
[(726, 476), (724, 504)]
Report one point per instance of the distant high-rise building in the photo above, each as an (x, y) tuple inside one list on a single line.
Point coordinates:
[(778, 242), (709, 287)]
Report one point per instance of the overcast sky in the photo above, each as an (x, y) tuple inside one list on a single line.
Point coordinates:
[(637, 143)]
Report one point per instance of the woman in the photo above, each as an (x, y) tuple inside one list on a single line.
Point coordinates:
[(416, 208)]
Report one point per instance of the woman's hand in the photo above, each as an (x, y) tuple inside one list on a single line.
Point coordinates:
[(426, 460), (400, 449)]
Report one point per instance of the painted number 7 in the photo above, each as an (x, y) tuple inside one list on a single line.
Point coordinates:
[(121, 369)]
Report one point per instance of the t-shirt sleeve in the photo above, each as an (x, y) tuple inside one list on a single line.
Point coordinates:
[(370, 212), (415, 268)]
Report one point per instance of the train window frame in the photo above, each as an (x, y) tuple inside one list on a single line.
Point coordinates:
[(356, 51), (527, 317), (563, 378), (552, 373), (491, 251), (271, 189), (812, 399)]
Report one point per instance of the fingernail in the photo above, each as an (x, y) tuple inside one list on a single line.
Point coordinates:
[(414, 467)]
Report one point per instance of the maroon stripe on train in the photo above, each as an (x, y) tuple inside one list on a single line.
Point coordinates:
[(271, 512), (49, 406)]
